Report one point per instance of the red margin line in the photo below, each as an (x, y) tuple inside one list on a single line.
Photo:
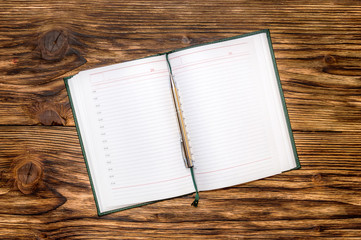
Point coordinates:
[(168, 180), (234, 166), (205, 50)]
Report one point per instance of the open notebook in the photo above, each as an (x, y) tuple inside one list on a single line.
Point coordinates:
[(233, 111)]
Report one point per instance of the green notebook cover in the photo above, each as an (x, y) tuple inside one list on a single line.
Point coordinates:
[(176, 50)]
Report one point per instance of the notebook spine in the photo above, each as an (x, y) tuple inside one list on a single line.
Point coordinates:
[(185, 141)]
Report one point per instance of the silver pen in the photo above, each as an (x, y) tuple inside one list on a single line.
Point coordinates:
[(184, 141)]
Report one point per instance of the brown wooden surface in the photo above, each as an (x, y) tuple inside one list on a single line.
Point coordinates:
[(44, 187)]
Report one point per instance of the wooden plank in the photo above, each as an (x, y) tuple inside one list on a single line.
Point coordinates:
[(316, 45), (321, 199)]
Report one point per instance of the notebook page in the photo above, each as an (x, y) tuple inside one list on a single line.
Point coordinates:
[(274, 105), (229, 125), (131, 137)]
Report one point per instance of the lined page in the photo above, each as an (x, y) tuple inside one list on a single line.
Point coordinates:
[(130, 133), (229, 123)]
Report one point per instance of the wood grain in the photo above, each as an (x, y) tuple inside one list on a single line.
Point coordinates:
[(317, 47), (313, 201)]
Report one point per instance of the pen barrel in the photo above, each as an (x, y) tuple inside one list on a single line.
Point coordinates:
[(187, 156)]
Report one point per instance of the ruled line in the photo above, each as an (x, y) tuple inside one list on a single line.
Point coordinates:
[(261, 160), (126, 67), (127, 78), (145, 184), (205, 50), (211, 60)]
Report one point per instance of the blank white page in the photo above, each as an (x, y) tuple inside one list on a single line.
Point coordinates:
[(233, 112), (130, 133)]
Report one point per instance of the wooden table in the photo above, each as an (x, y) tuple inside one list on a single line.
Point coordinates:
[(45, 191)]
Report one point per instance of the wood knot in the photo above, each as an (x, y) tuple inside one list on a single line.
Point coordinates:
[(317, 179), (27, 171), (318, 229), (50, 117), (186, 40), (49, 113), (54, 45), (24, 173), (329, 59)]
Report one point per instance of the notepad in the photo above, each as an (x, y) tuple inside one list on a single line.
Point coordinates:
[(234, 116)]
